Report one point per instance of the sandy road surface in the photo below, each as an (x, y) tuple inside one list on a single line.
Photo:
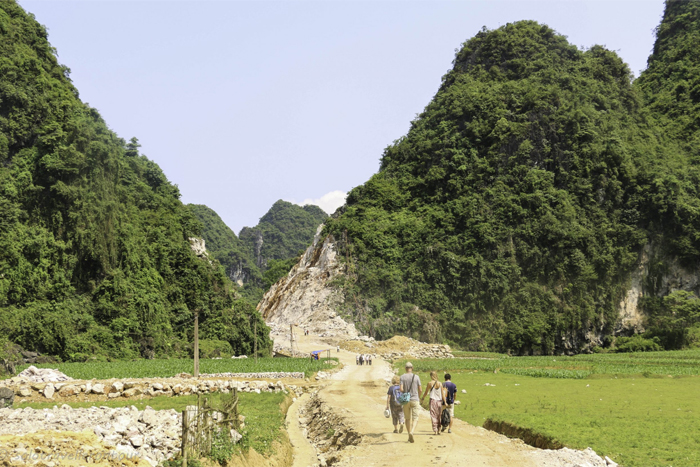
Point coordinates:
[(359, 394)]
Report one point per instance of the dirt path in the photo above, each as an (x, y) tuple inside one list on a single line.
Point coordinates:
[(359, 395)]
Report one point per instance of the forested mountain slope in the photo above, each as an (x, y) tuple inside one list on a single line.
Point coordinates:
[(513, 212), (265, 252), (284, 232), (95, 259), (223, 244)]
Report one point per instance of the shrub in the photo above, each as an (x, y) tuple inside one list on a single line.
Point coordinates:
[(637, 343), (210, 348)]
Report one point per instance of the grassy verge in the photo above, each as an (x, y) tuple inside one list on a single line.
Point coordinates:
[(172, 367), (264, 414), (635, 420)]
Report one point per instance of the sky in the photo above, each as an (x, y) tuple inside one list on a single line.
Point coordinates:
[(242, 103)]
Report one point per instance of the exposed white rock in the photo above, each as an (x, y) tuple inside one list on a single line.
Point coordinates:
[(304, 297), (43, 375)]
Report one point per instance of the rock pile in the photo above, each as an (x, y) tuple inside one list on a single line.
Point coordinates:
[(397, 347), (42, 375), (288, 352), (131, 388), (264, 375), (149, 434)]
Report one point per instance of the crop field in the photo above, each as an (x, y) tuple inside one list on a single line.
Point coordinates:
[(264, 413), (674, 363), (639, 409), (172, 367)]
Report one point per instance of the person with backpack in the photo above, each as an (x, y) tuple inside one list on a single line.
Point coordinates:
[(393, 404), (437, 400), (410, 399), (450, 394)]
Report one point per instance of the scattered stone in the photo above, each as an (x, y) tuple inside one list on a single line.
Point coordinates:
[(98, 388), (132, 392), (49, 391), (117, 386), (25, 392), (7, 397)]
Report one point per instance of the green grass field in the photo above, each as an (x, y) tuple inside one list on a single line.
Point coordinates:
[(624, 406), (172, 367), (263, 412)]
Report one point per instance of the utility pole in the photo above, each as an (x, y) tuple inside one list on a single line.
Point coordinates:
[(291, 338), (196, 343)]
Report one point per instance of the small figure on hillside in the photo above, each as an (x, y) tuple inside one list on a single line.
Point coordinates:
[(357, 359), (437, 400), (450, 395), (370, 359), (362, 360), (397, 416), (410, 383), (337, 349)]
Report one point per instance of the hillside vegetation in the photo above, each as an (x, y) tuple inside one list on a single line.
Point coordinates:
[(512, 213), (263, 253), (95, 260)]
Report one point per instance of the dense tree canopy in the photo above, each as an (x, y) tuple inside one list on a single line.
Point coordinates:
[(263, 253), (94, 253), (510, 215)]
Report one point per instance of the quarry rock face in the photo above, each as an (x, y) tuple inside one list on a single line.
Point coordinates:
[(305, 296)]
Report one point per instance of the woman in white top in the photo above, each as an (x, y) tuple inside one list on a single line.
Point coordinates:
[(437, 400)]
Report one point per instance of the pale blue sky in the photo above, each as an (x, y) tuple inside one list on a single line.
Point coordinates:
[(243, 103)]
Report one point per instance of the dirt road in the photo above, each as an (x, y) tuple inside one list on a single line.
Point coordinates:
[(359, 395)]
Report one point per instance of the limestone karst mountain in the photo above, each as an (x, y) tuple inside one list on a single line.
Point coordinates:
[(95, 256), (263, 253), (537, 205)]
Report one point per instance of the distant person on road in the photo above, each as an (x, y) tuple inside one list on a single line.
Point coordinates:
[(450, 395), (370, 359), (437, 400), (410, 383), (397, 416), (362, 360), (337, 349), (357, 359)]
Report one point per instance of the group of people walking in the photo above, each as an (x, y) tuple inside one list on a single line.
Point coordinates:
[(405, 412), (363, 359)]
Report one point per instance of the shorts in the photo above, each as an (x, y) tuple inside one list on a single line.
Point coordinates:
[(451, 409)]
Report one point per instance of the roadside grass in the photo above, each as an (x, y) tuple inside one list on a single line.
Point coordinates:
[(172, 367), (264, 414), (624, 406)]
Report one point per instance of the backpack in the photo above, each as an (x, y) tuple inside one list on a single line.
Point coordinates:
[(405, 397), (445, 418), (450, 399), (396, 395)]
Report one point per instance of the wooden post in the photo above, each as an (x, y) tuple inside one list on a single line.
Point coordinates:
[(196, 343), (255, 336), (185, 424), (236, 420)]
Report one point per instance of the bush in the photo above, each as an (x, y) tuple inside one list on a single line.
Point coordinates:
[(210, 348), (637, 343), (693, 337)]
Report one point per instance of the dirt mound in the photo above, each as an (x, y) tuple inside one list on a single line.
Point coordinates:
[(51, 448), (397, 347)]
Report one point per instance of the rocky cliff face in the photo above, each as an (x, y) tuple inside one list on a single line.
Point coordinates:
[(655, 274), (305, 296)]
